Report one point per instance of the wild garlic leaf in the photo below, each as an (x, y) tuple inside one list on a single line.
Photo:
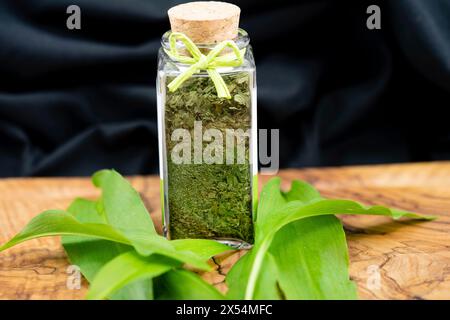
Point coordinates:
[(122, 204), (130, 268), (181, 284), (302, 191), (91, 254), (295, 210), (266, 286), (91, 241), (311, 257), (146, 245), (126, 269), (271, 199), (203, 248), (306, 259), (124, 210), (237, 278), (273, 215), (57, 223)]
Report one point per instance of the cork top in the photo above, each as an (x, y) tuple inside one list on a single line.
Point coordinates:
[(206, 22)]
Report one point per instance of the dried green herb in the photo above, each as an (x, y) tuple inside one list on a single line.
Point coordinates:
[(210, 200)]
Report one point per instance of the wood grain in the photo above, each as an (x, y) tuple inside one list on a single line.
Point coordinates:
[(412, 259)]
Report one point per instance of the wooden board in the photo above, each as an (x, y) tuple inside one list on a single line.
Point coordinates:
[(412, 259)]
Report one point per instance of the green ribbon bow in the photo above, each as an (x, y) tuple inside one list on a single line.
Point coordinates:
[(199, 61)]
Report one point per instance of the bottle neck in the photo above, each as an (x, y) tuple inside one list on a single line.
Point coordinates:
[(242, 41)]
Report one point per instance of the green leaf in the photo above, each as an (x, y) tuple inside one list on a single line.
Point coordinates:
[(273, 215), (306, 259), (295, 210), (184, 285), (270, 200), (237, 278), (124, 210), (57, 222), (125, 269), (302, 191), (204, 249), (96, 233), (114, 242), (146, 245), (122, 204), (266, 286), (129, 267), (312, 260), (91, 254)]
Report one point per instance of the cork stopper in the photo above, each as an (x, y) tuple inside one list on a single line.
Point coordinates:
[(206, 22)]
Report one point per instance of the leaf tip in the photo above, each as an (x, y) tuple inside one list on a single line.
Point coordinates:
[(99, 177)]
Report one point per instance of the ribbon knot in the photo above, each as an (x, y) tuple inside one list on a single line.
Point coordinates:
[(199, 61), (203, 62)]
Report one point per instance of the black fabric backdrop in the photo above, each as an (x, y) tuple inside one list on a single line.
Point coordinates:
[(72, 102)]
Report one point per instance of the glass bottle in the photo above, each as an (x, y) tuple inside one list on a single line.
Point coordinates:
[(201, 196)]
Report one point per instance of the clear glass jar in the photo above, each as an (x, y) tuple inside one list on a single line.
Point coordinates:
[(208, 199)]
